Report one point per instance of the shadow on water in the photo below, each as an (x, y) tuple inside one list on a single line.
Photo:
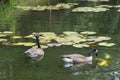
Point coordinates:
[(15, 66)]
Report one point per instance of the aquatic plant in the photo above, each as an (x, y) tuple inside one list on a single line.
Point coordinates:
[(67, 38)]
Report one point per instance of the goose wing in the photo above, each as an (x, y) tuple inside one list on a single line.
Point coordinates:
[(76, 57)]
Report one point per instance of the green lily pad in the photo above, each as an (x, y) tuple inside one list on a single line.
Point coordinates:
[(3, 40), (88, 32), (69, 32), (66, 43), (24, 44), (103, 38), (106, 44), (80, 45), (3, 35), (89, 9), (17, 37), (53, 44), (75, 39), (8, 32)]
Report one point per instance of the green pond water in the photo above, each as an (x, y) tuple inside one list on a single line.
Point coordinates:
[(15, 66)]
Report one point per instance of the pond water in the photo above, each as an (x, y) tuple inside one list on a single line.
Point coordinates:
[(15, 66)]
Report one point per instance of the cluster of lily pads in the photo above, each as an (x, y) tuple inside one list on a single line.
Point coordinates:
[(59, 6), (50, 7), (69, 38), (89, 9), (4, 34)]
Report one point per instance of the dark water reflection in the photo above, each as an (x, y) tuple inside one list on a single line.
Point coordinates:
[(15, 66)]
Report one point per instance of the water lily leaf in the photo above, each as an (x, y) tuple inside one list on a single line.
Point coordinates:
[(52, 34), (24, 44), (103, 38), (29, 36), (43, 41), (88, 32), (3, 35), (106, 44), (89, 9), (66, 43), (80, 45), (70, 33), (105, 6), (8, 32), (29, 44), (75, 39), (61, 40), (54, 44), (107, 56), (17, 37), (3, 40)]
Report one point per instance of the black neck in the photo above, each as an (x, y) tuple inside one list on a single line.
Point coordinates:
[(90, 53), (38, 43)]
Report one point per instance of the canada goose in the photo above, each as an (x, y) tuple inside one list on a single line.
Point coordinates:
[(77, 58), (35, 52)]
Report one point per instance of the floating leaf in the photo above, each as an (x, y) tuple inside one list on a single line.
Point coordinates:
[(29, 36), (80, 45), (8, 32), (88, 32), (24, 44), (3, 35), (69, 32), (17, 37), (106, 44), (107, 56), (54, 44), (2, 40), (29, 44), (89, 9), (103, 38), (66, 43)]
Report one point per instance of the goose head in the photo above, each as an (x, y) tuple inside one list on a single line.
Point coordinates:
[(93, 51)]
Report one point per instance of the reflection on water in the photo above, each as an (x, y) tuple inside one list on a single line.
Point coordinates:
[(15, 66)]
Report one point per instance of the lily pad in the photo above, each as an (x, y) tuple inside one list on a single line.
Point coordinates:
[(106, 44), (88, 32), (8, 32), (107, 56), (24, 44), (89, 9), (54, 44), (103, 38), (3, 40), (17, 37), (80, 45), (3, 35)]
